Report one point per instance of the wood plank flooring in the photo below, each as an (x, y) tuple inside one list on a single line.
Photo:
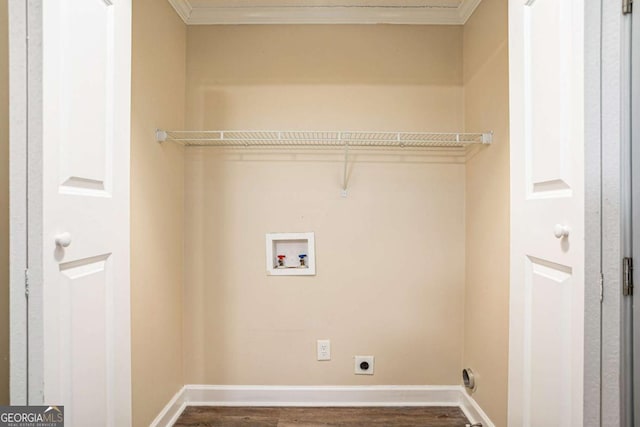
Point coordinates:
[(210, 416)]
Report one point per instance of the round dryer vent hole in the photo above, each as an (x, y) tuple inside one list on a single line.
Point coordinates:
[(468, 379)]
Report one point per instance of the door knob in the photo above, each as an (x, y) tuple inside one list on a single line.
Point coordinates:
[(561, 231), (63, 239)]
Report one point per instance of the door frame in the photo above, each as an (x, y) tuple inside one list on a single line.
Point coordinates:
[(605, 204), (18, 181), (593, 214), (627, 188), (634, 399), (25, 158)]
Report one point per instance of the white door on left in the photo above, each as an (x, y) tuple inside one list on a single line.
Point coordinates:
[(79, 136)]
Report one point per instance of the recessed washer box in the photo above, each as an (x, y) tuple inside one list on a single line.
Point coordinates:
[(291, 254)]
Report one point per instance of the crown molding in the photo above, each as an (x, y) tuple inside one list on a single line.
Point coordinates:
[(466, 9), (183, 8), (324, 14)]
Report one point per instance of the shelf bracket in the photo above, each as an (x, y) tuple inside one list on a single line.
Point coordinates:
[(345, 170), (161, 135)]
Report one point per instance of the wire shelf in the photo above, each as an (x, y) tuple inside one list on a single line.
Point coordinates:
[(456, 144), (237, 138)]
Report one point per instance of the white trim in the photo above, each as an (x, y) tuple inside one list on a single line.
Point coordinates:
[(626, 220), (170, 413), (473, 411), (183, 8), (635, 197), (321, 396), (432, 15), (593, 213), (466, 9), (35, 201), (613, 134), (203, 395), (17, 14), (323, 15)]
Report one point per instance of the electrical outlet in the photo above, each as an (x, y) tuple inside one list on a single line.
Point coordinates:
[(363, 365), (324, 349)]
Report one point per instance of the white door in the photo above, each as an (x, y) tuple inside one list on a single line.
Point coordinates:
[(547, 203), (79, 115)]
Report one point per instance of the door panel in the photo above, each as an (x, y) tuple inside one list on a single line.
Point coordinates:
[(85, 346), (547, 219), (547, 335), (86, 85), (547, 97)]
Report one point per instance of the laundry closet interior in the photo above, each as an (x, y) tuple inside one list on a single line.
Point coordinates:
[(410, 227)]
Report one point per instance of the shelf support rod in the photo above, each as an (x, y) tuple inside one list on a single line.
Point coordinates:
[(344, 172)]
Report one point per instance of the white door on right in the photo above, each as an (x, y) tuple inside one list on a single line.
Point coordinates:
[(546, 336)]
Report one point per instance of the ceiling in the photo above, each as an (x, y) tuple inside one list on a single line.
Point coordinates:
[(198, 12)]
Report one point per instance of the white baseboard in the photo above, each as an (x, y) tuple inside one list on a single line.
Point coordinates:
[(170, 413), (220, 395), (473, 411)]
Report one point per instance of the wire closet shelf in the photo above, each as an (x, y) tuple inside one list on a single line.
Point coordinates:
[(328, 139)]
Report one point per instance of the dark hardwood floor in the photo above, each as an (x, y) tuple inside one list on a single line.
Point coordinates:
[(210, 416)]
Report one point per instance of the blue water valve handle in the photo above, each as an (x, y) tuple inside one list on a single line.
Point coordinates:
[(302, 255)]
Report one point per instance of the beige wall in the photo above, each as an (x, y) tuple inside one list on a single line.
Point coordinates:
[(389, 279), (157, 174), (357, 54), (4, 206), (486, 88)]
